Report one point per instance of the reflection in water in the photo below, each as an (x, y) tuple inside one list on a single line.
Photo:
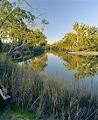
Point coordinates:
[(37, 63), (65, 66), (41, 95), (61, 66), (83, 66)]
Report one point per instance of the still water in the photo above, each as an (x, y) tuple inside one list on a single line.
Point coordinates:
[(74, 70)]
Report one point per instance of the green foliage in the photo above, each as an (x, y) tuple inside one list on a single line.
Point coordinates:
[(83, 67), (16, 113), (38, 63), (83, 37), (39, 38), (17, 26), (44, 22)]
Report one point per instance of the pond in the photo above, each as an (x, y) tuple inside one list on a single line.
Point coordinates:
[(78, 73), (74, 70)]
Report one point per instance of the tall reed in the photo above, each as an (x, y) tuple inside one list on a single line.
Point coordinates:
[(46, 97)]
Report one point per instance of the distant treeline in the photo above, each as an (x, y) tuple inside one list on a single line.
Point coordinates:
[(83, 37)]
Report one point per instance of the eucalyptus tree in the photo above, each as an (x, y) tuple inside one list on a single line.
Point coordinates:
[(16, 25), (86, 36), (83, 37), (44, 22), (13, 17)]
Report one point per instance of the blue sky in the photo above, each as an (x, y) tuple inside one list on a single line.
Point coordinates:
[(61, 15)]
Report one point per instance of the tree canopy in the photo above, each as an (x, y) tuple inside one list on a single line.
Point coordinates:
[(83, 37), (18, 24), (18, 27)]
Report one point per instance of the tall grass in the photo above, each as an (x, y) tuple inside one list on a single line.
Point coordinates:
[(46, 98)]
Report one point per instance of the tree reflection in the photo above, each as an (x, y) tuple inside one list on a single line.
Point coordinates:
[(39, 63), (83, 66)]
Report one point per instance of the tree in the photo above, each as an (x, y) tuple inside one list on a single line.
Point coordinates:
[(83, 37), (76, 26), (16, 25), (44, 22)]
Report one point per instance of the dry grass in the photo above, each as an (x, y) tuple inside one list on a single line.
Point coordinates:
[(47, 98)]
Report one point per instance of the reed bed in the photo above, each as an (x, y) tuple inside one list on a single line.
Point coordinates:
[(47, 98)]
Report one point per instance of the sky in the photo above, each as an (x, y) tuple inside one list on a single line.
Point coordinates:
[(61, 15)]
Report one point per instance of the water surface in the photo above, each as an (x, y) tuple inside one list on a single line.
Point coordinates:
[(74, 70)]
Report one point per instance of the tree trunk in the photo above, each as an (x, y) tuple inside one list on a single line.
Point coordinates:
[(0, 45)]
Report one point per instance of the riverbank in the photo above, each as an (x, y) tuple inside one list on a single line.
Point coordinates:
[(16, 113), (85, 53), (47, 98)]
